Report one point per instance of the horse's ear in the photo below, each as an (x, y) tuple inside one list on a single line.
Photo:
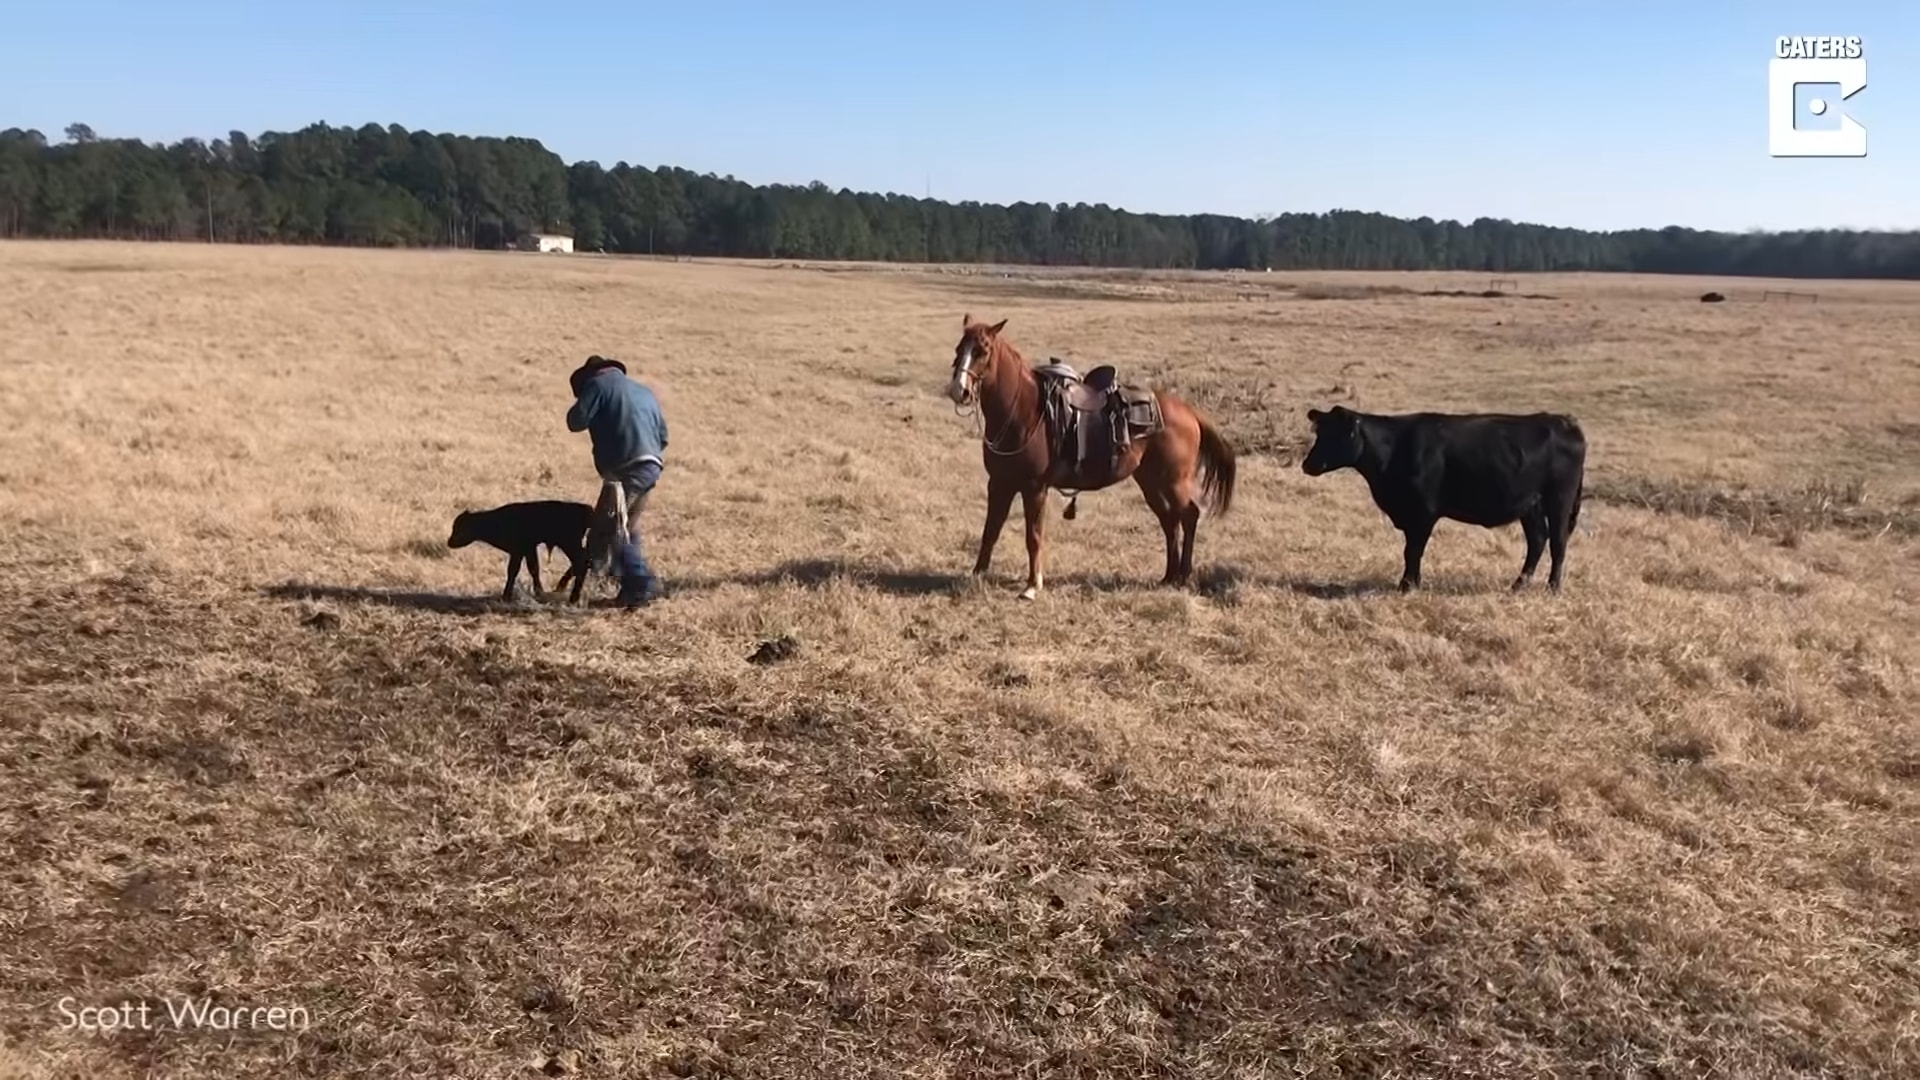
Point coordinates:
[(966, 320), (1314, 416), (994, 330)]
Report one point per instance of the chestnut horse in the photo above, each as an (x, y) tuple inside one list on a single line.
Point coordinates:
[(1169, 465)]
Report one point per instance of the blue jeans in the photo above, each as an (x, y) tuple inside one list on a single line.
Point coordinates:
[(637, 482)]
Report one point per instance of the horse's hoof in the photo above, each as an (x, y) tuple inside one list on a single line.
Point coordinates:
[(1029, 593)]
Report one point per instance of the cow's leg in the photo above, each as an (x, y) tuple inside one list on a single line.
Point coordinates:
[(1417, 534), (1559, 523), (999, 504), (1033, 506), (1534, 524)]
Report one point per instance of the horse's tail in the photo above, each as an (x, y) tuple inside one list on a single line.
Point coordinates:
[(1217, 459)]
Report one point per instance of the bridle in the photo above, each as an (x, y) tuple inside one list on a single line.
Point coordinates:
[(970, 351), (970, 385)]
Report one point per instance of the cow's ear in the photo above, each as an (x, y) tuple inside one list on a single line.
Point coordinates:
[(1314, 416)]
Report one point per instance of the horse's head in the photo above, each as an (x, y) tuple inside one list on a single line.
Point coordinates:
[(972, 358)]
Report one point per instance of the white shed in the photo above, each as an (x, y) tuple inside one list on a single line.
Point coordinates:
[(547, 242)]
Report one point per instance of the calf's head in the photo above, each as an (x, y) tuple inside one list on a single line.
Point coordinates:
[(1337, 442), (462, 530)]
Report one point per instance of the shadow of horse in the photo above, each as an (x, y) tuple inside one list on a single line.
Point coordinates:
[(1221, 580), (819, 573), (1336, 590), (1390, 586), (415, 600), (814, 574)]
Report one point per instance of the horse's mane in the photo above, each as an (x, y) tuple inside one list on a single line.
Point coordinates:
[(1000, 347), (1010, 352)]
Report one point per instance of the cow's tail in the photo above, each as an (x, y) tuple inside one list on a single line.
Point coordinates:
[(1580, 484)]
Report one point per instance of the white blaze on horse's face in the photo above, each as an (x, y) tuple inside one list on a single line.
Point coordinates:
[(961, 385)]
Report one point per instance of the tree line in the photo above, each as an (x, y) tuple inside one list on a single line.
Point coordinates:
[(390, 187)]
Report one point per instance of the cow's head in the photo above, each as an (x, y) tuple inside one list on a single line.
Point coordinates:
[(1336, 440)]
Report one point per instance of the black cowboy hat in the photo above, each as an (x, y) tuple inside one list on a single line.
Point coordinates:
[(594, 365)]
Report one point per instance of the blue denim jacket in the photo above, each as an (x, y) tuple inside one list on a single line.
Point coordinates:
[(624, 419)]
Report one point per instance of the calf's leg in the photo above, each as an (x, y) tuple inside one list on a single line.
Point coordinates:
[(576, 570), (513, 575)]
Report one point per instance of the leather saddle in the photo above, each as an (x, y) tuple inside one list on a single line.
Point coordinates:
[(1093, 419), (1090, 393)]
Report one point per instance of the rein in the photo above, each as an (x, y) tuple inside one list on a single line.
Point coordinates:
[(992, 444)]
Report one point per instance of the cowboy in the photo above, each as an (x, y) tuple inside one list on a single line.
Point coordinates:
[(629, 448)]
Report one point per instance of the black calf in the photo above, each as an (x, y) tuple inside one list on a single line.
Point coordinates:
[(519, 529)]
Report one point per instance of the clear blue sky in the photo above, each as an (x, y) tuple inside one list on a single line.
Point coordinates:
[(1599, 115)]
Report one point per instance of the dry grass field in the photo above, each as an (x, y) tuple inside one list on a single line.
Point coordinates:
[(264, 739)]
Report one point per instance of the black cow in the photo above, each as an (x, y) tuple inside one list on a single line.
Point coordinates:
[(1487, 469)]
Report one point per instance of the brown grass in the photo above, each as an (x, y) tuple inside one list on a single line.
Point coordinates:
[(830, 810)]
